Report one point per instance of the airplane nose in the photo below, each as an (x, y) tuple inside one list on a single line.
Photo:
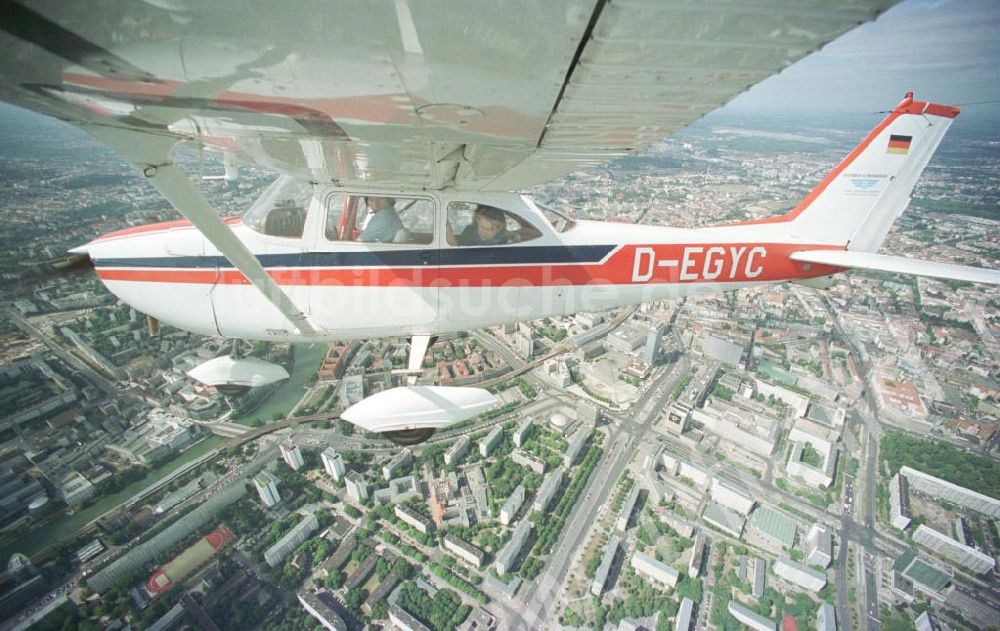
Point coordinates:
[(81, 249), (77, 259)]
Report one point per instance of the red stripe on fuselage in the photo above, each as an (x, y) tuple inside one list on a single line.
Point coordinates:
[(629, 265)]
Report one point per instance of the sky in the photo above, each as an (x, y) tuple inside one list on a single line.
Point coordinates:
[(946, 51)]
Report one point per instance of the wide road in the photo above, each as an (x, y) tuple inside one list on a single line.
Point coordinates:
[(546, 593), (865, 492)]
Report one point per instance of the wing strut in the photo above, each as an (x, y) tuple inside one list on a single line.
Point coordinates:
[(137, 148)]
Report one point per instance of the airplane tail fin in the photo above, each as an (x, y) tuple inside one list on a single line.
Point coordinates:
[(857, 203)]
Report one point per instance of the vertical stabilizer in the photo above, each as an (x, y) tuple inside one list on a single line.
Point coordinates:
[(859, 200)]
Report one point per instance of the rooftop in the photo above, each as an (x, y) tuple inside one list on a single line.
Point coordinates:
[(774, 524)]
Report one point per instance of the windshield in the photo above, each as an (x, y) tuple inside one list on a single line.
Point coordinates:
[(280, 211), (558, 221)]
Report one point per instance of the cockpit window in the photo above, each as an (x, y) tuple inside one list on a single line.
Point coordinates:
[(381, 219), (472, 224), (560, 222), (281, 209)]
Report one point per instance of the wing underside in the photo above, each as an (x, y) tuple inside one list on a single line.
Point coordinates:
[(405, 95)]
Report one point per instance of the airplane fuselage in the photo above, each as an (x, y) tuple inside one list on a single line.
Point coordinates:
[(351, 289)]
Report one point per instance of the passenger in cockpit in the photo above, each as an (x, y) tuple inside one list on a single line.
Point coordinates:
[(384, 222), (488, 227)]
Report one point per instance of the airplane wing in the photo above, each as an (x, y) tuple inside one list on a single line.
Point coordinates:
[(478, 95)]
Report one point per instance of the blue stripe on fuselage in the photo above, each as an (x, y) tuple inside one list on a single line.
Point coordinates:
[(518, 255)]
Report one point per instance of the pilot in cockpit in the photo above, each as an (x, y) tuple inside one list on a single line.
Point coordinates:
[(383, 222)]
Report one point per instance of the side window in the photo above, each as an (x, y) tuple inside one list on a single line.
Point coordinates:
[(281, 209), (471, 224), (381, 219)]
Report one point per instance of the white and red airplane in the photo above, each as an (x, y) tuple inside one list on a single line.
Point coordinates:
[(399, 133)]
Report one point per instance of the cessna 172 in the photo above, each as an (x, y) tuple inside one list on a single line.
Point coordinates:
[(399, 131)]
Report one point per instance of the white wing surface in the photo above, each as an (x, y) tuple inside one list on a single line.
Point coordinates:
[(478, 95)]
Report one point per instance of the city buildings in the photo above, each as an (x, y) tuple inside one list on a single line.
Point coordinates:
[(396, 464), (800, 575), (357, 488), (759, 577), (926, 622), (732, 496), (512, 505), (819, 545), (625, 513), (488, 444), (818, 474), (333, 464), (722, 350), (508, 555), (651, 348), (899, 502), (950, 549), (575, 447), (677, 417), (826, 618), (291, 540), (556, 372), (528, 461), (740, 428), (457, 451), (697, 556), (89, 551), (771, 529), (913, 573), (400, 490), (412, 518), (525, 345), (654, 570), (323, 612), (547, 491), (522, 432), (404, 621), (267, 488), (608, 557), (750, 618), (465, 551), (942, 489), (684, 614), (76, 489), (724, 519), (291, 454), (625, 339)]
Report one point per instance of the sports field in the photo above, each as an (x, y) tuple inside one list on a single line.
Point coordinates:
[(192, 558)]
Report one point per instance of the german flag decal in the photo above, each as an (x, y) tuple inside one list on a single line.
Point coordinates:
[(899, 144)]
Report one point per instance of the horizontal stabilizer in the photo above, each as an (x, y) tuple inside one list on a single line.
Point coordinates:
[(898, 265)]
